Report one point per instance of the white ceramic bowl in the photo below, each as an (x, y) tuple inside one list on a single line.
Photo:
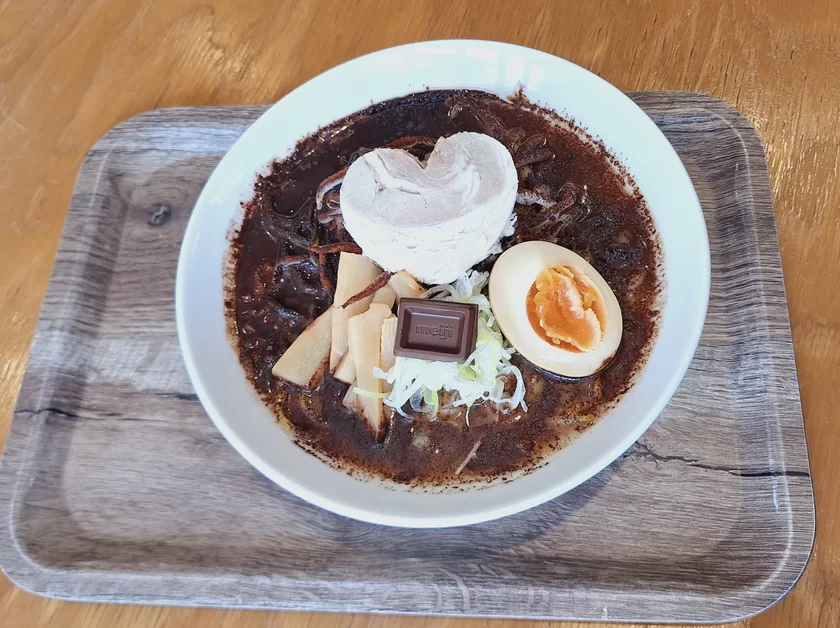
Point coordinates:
[(494, 67)]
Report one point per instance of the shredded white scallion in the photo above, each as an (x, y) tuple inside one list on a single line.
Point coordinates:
[(367, 393), (480, 378), (469, 457)]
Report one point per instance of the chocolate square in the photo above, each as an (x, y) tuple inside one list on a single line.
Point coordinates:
[(436, 330)]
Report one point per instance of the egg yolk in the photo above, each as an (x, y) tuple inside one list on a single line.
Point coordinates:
[(566, 309)]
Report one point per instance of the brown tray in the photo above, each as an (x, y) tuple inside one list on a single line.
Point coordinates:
[(115, 486)]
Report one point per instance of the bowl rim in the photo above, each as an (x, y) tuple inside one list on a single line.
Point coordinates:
[(527, 500)]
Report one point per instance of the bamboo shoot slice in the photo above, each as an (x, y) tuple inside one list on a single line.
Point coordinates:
[(339, 333), (405, 286), (303, 360), (386, 348), (364, 333), (385, 295), (355, 273), (351, 399), (346, 371)]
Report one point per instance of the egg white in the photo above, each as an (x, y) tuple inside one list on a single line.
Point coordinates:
[(511, 279)]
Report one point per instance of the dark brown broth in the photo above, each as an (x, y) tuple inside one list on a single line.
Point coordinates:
[(270, 303)]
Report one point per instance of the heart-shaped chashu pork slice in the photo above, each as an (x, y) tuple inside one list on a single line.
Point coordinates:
[(434, 220)]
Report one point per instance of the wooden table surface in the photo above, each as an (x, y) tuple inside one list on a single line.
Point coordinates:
[(71, 70)]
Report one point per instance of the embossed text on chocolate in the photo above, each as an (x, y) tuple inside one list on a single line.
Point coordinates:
[(441, 331)]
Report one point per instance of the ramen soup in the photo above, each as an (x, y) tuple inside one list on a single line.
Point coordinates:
[(423, 196)]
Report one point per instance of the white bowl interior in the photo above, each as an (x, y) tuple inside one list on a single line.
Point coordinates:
[(574, 92)]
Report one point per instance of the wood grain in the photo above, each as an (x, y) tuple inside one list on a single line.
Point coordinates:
[(71, 70)]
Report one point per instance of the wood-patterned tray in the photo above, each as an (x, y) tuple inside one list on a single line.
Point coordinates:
[(115, 486)]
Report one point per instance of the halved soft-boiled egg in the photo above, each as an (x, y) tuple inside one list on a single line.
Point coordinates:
[(555, 308)]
